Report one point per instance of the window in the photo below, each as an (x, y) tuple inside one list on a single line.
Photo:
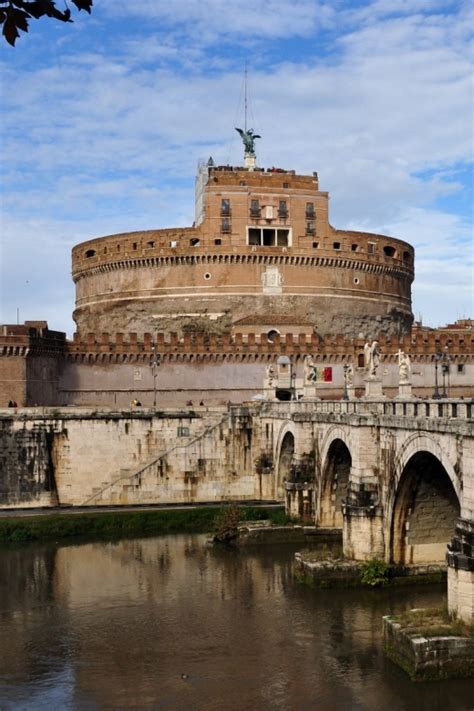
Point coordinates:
[(194, 242), (271, 335), (90, 253), (309, 210), (407, 257), (254, 208), (310, 228), (225, 206), (286, 186), (315, 245), (268, 237), (217, 241), (371, 248), (225, 224), (173, 244), (461, 368), (183, 431), (242, 183), (389, 251), (150, 244), (134, 245), (355, 247), (282, 209), (336, 245)]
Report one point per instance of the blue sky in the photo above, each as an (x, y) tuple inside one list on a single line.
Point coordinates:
[(104, 120)]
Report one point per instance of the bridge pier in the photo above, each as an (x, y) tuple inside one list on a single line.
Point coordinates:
[(460, 559), (362, 533)]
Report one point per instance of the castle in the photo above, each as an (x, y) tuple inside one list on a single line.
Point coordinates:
[(261, 273)]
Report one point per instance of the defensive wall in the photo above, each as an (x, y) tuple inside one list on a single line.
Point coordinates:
[(261, 244), (38, 366), (396, 477)]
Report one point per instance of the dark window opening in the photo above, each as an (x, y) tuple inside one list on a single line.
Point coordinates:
[(286, 185), (271, 335), (461, 368), (90, 253), (194, 241), (134, 246), (254, 236), (225, 224), (310, 228), (282, 238), (268, 237), (360, 360), (225, 206), (389, 251), (217, 241), (315, 245), (254, 208), (282, 209), (355, 247), (371, 248), (309, 210), (150, 244), (337, 245), (407, 257)]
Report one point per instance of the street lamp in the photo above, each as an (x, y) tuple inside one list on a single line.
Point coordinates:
[(345, 395), (437, 357), (154, 365), (445, 371)]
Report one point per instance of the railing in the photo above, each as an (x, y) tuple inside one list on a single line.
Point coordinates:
[(459, 409)]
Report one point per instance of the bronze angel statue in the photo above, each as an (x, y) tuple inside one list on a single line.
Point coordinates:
[(248, 137)]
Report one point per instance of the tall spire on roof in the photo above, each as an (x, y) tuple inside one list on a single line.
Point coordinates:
[(247, 134)]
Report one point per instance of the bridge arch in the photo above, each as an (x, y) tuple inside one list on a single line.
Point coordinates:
[(284, 455), (336, 461), (424, 504)]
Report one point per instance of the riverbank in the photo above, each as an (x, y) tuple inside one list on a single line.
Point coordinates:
[(124, 524)]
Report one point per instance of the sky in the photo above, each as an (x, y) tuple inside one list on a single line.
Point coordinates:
[(103, 122)]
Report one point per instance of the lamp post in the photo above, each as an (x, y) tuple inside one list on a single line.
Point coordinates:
[(445, 371), (436, 394), (154, 365), (345, 395)]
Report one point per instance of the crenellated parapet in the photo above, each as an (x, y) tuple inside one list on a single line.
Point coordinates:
[(421, 346)]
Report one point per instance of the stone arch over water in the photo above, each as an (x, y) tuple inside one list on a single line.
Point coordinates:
[(425, 510), (334, 484)]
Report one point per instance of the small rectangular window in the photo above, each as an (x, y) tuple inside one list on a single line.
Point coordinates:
[(336, 245), (134, 245), (282, 238), (183, 431), (282, 209), (254, 208), (309, 210), (461, 368), (225, 206), (173, 244), (371, 248), (268, 238), (310, 228), (315, 245), (217, 241), (225, 225)]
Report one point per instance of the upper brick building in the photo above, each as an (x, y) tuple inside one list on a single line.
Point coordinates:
[(261, 250)]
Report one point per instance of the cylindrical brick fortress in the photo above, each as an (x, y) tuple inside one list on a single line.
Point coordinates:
[(262, 250)]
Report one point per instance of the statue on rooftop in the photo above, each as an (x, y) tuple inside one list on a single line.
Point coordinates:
[(248, 137)]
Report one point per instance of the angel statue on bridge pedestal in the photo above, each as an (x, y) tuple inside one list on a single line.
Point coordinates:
[(404, 367), (371, 358), (248, 137)]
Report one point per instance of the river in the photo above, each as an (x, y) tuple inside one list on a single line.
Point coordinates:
[(172, 623)]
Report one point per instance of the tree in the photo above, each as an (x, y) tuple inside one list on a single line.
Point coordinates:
[(15, 14)]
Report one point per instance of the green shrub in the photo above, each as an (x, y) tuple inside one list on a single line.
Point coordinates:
[(375, 573)]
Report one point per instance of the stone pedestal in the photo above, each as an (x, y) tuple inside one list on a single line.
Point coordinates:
[(351, 392), (460, 559), (404, 392), (373, 389), (310, 392), (250, 161)]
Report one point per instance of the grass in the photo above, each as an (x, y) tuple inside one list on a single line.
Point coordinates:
[(122, 524), (432, 622)]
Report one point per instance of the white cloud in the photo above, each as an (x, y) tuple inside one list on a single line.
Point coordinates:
[(105, 141)]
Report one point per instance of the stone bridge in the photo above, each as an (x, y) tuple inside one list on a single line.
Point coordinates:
[(396, 477)]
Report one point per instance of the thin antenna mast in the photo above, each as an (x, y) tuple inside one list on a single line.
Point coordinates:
[(245, 97)]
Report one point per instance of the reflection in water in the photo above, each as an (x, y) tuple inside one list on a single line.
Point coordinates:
[(171, 623)]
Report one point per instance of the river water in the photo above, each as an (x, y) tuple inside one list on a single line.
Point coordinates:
[(172, 623)]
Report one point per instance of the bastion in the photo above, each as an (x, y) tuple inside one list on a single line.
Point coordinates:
[(261, 251)]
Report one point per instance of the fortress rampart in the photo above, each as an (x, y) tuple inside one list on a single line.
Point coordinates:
[(262, 244)]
